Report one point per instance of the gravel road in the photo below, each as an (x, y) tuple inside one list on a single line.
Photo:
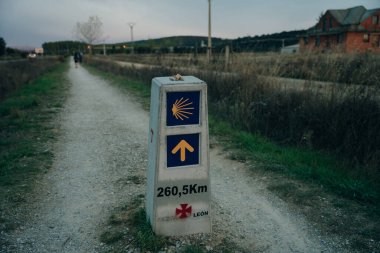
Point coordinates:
[(103, 141)]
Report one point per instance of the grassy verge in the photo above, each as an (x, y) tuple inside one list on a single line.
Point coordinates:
[(301, 163), (14, 75), (27, 131)]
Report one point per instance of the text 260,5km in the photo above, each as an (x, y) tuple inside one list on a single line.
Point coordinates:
[(186, 189)]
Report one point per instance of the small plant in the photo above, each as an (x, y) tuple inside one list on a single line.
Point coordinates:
[(109, 237), (146, 240), (129, 224), (135, 179), (193, 249)]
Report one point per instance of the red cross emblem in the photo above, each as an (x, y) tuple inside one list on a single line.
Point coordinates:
[(183, 212)]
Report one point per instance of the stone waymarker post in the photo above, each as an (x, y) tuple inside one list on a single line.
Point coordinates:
[(178, 186)]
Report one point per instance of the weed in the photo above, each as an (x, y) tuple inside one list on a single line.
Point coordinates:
[(285, 189), (145, 237), (135, 179), (115, 220), (129, 223), (109, 237), (193, 249)]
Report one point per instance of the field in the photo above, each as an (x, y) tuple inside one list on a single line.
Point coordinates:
[(359, 69), (16, 73), (328, 103)]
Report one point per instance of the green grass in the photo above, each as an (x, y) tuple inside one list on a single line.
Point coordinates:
[(193, 249), (145, 238), (25, 130), (129, 224), (304, 164)]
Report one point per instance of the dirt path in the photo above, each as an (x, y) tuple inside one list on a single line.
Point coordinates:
[(103, 138), (103, 142), (254, 217)]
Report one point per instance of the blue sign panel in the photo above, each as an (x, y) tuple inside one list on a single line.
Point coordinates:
[(182, 108), (182, 150)]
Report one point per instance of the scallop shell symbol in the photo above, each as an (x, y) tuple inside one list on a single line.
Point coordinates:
[(181, 110)]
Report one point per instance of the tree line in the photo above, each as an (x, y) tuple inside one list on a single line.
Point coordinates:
[(90, 35), (185, 44), (267, 42), (8, 52), (63, 47)]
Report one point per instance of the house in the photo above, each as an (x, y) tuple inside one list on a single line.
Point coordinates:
[(350, 30), (39, 51)]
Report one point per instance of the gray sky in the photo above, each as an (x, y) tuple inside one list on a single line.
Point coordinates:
[(32, 22)]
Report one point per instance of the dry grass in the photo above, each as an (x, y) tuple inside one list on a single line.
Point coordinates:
[(339, 118), (359, 69), (14, 75)]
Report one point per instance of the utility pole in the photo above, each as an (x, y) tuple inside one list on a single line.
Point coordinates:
[(104, 45), (209, 46), (131, 25)]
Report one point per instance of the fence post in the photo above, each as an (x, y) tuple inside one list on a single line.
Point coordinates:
[(227, 58)]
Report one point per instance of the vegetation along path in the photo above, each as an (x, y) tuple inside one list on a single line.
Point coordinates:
[(103, 143)]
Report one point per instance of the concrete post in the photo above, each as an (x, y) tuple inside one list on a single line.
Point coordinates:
[(178, 186)]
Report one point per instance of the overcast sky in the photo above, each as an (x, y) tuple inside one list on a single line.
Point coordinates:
[(32, 22)]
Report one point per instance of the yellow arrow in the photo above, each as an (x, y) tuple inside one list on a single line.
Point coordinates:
[(182, 145)]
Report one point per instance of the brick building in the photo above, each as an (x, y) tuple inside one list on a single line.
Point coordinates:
[(351, 30)]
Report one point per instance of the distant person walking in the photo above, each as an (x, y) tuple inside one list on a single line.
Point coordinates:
[(77, 59)]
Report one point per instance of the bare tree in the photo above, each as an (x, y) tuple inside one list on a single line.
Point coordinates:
[(90, 31)]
